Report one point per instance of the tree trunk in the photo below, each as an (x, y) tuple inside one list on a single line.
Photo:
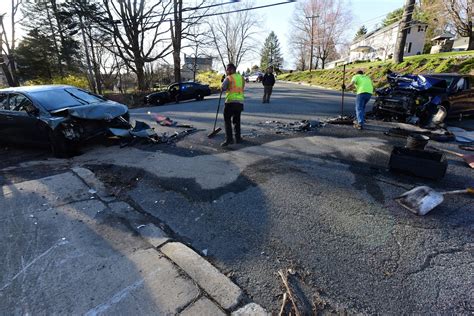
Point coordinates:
[(95, 64), (56, 46), (176, 33), (7, 74), (471, 41), (402, 32), (140, 72)]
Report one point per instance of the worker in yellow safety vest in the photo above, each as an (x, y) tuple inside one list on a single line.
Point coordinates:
[(233, 85)]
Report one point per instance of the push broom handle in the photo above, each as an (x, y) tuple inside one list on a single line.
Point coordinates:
[(449, 152), (217, 113), (468, 190)]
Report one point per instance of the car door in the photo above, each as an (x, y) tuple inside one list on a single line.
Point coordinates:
[(4, 119), (461, 101), (188, 91), (23, 125), (174, 92)]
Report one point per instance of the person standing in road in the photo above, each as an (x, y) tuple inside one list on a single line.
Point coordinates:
[(268, 82), (364, 89), (233, 85)]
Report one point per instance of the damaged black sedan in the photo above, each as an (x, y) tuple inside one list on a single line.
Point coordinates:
[(59, 116), (425, 99)]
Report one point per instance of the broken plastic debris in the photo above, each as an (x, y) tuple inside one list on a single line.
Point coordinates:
[(162, 201), (204, 252), (32, 216), (64, 238), (92, 191), (141, 226), (215, 201)]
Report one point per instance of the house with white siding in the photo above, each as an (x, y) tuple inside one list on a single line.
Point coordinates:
[(380, 44)]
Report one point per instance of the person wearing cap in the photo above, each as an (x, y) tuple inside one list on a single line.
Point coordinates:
[(364, 89), (233, 85)]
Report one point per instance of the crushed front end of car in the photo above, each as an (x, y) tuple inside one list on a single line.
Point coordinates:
[(414, 99), (84, 122)]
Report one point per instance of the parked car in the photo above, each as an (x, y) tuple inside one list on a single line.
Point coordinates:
[(423, 96), (179, 92), (59, 116), (255, 77)]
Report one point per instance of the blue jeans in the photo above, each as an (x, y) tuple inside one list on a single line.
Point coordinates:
[(361, 101)]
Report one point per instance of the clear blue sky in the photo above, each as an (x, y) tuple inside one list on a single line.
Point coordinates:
[(278, 19)]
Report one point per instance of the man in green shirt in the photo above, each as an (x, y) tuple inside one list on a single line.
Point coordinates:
[(364, 90)]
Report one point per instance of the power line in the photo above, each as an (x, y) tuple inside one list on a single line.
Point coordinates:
[(226, 12)]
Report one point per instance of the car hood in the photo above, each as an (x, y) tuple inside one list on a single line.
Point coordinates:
[(106, 110)]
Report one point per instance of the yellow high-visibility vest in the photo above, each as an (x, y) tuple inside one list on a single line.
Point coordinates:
[(235, 90)]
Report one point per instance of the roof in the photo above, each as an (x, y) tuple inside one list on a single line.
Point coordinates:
[(36, 88), (446, 35), (386, 28)]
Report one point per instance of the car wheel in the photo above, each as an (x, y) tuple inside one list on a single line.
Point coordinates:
[(160, 102), (60, 146), (199, 96)]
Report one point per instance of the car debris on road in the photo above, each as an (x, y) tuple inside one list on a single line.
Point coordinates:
[(298, 126)]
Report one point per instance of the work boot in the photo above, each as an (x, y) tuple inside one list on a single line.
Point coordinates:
[(226, 143)]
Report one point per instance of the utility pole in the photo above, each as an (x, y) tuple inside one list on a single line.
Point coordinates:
[(312, 40), (403, 31)]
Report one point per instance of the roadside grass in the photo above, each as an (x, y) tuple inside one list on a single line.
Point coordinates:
[(460, 62)]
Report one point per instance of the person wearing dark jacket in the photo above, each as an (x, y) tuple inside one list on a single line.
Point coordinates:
[(268, 82)]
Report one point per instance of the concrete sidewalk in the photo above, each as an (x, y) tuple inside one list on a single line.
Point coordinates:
[(70, 248)]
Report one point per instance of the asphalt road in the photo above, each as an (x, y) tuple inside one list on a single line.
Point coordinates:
[(319, 202), (322, 204)]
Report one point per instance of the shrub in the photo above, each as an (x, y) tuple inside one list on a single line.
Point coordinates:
[(72, 80)]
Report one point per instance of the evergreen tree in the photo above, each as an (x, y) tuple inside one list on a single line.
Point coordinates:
[(271, 53), (35, 57), (361, 32), (392, 17), (50, 19)]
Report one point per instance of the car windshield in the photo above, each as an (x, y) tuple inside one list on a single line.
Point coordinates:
[(56, 99), (448, 79)]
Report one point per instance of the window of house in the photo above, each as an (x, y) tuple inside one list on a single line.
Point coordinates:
[(409, 48), (409, 30), (420, 28)]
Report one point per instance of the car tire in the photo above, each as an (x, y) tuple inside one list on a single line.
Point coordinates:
[(60, 146), (160, 102), (199, 96)]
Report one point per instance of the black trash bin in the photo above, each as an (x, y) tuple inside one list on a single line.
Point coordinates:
[(420, 163)]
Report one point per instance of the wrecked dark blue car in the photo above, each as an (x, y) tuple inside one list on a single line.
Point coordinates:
[(59, 116), (425, 99)]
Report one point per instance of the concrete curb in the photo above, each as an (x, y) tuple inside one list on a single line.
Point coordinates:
[(216, 284)]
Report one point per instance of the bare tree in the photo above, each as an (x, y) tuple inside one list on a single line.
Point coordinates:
[(10, 42), (181, 28), (461, 12), (233, 35), (322, 23), (137, 29)]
